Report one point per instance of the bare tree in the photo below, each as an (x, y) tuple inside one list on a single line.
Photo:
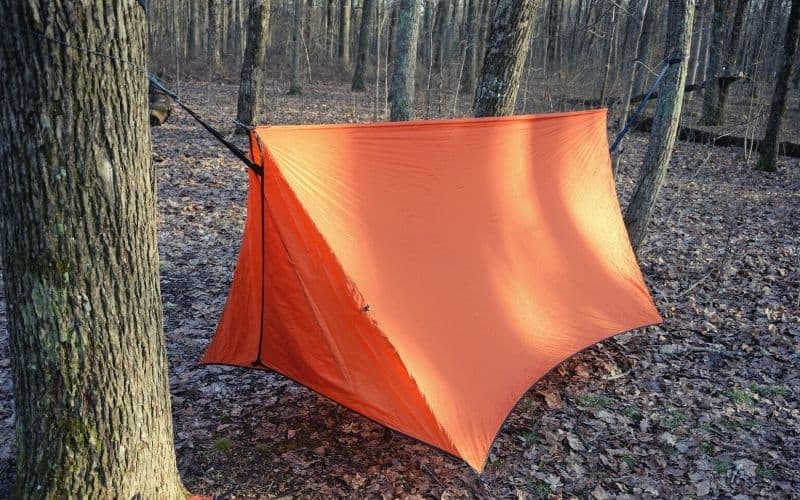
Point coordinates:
[(643, 6), (440, 33), (643, 51), (711, 111), (769, 149), (470, 59), (506, 50), (344, 31), (214, 56), (295, 87), (80, 259), (665, 123), (252, 80), (404, 64), (731, 64), (363, 45), (329, 27)]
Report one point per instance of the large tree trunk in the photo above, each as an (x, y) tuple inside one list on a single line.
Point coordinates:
[(769, 152), (252, 81), (666, 121), (79, 255), (404, 63), (344, 31), (711, 111), (506, 50), (363, 45), (214, 61), (295, 87)]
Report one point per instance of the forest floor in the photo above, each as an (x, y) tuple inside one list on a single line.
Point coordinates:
[(705, 404)]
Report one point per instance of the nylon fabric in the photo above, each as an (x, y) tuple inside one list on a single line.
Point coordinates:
[(426, 274)]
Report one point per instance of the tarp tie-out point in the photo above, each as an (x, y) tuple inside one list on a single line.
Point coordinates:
[(426, 274)]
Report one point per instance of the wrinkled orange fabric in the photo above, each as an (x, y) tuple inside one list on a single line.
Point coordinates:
[(425, 274)]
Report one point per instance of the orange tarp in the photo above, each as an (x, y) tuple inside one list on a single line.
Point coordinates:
[(426, 274)]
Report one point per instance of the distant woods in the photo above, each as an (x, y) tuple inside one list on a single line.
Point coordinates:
[(590, 49)]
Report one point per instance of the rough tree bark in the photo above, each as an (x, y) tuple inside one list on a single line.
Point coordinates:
[(404, 64), (506, 50), (295, 87), (711, 114), (666, 120), (79, 254), (344, 32), (363, 45), (252, 80), (769, 152)]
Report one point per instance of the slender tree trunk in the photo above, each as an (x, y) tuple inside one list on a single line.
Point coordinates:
[(468, 75), (486, 20), (79, 256), (404, 64), (251, 83), (363, 46), (194, 30), (344, 32), (506, 49), (731, 54), (214, 61), (665, 123), (769, 151), (295, 87), (308, 22), (553, 22), (697, 43), (329, 27), (644, 5), (626, 105), (711, 115), (643, 52), (439, 34), (609, 54)]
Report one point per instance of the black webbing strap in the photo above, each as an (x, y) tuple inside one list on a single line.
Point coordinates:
[(211, 130)]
